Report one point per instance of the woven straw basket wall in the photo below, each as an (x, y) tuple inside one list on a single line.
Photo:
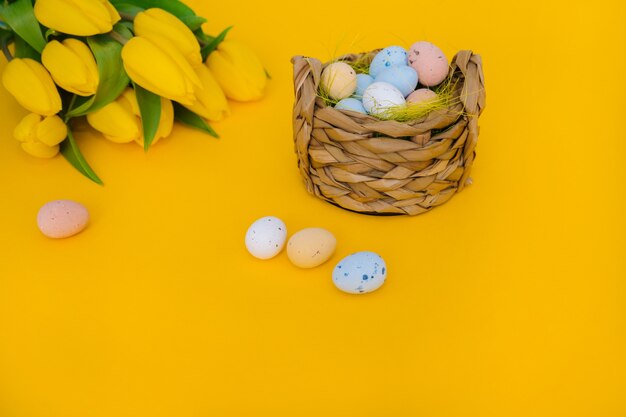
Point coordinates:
[(370, 166)]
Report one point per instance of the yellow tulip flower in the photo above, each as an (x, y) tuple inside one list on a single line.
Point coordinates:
[(40, 136), (161, 69), (31, 85), (238, 71), (159, 26), (211, 102), (72, 66), (120, 120), (77, 17)]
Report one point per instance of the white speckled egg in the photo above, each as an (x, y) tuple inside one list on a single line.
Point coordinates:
[(380, 96), (421, 95), (404, 78), (360, 273), (392, 56), (266, 237), (338, 80), (311, 247), (352, 104), (362, 82), (430, 63), (62, 218)]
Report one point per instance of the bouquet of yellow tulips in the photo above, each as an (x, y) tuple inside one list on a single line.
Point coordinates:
[(131, 67)]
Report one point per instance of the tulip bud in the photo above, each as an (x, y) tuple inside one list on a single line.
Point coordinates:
[(77, 17), (211, 102), (72, 66), (40, 136), (31, 85), (238, 71), (120, 120), (159, 26), (161, 69)]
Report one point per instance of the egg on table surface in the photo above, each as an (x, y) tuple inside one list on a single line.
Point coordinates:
[(430, 63), (352, 104), (392, 56), (338, 80), (404, 78), (362, 82), (421, 95), (266, 237), (380, 96), (62, 218), (311, 247), (360, 273)]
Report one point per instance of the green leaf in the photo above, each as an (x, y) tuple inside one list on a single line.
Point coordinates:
[(24, 50), (150, 110), (69, 149), (175, 7), (20, 16), (206, 50), (128, 9), (189, 118), (193, 22), (113, 78)]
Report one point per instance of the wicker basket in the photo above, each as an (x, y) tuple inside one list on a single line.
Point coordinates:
[(366, 165)]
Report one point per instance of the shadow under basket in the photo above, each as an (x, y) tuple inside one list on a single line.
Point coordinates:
[(384, 167)]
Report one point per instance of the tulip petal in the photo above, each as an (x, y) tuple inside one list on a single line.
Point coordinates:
[(238, 71), (76, 17), (31, 85), (161, 71), (158, 25), (40, 150), (72, 66), (51, 131), (116, 123), (25, 129), (211, 104)]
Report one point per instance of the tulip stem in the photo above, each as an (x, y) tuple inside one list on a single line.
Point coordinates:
[(5, 50), (127, 16), (66, 118), (116, 36)]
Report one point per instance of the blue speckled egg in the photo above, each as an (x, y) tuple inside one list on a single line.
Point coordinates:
[(360, 273), (393, 56), (403, 78), (351, 104), (362, 82)]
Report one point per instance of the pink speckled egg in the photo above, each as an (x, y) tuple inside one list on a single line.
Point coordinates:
[(430, 63), (420, 95), (62, 218)]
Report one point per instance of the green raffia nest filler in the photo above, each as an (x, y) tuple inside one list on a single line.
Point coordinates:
[(403, 161)]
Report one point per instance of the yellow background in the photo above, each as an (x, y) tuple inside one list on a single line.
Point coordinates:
[(507, 301)]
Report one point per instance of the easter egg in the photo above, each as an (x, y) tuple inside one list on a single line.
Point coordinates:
[(338, 80), (352, 104), (362, 82), (62, 218), (266, 237), (380, 96), (360, 273), (392, 56), (420, 95), (311, 247), (430, 63), (404, 78)]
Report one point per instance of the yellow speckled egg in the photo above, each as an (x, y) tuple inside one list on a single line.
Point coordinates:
[(311, 247), (338, 80)]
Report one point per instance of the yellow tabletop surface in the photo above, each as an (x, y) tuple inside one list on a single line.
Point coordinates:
[(509, 300)]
